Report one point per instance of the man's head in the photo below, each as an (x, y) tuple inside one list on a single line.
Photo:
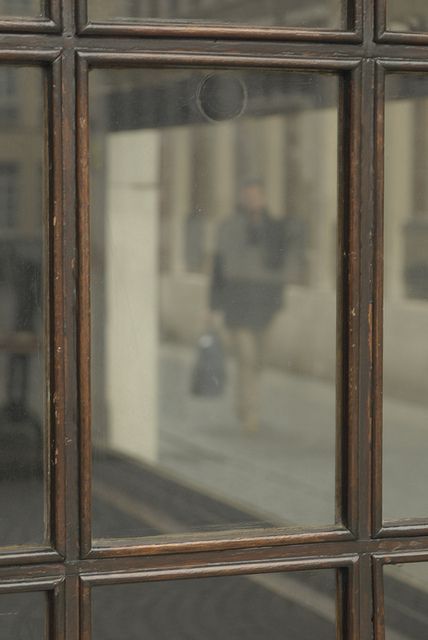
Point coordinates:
[(252, 196)]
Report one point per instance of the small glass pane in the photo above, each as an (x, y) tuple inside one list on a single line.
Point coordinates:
[(407, 15), (21, 9), (300, 606), (213, 212), (406, 298), (22, 308), (23, 616), (406, 601), (322, 14)]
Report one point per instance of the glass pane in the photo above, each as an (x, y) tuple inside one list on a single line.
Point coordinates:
[(213, 211), (407, 15), (272, 607), (406, 298), (323, 14), (22, 309), (406, 601), (23, 616), (21, 8)]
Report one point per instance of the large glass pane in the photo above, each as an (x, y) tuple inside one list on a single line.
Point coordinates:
[(22, 308), (213, 213), (300, 606), (21, 8), (406, 298), (323, 14), (23, 616), (407, 15), (406, 601)]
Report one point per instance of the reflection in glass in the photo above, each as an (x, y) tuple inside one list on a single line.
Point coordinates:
[(406, 298), (323, 14), (407, 15), (269, 606), (22, 369), (213, 213), (23, 616), (406, 601), (20, 8)]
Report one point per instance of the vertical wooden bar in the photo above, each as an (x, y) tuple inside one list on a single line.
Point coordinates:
[(56, 296), (81, 15), (72, 608), (367, 293), (378, 302), (69, 274), (379, 599), (367, 298), (57, 609), (348, 303), (54, 13), (381, 13), (85, 610), (84, 298), (355, 20), (365, 596)]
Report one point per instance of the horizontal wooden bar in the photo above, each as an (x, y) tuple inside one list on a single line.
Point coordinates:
[(353, 32), (137, 58), (30, 56), (321, 554), (189, 29), (29, 585), (220, 569), (137, 559), (403, 37), (205, 542), (23, 25), (28, 555)]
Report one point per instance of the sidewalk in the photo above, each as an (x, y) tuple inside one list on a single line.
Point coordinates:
[(285, 472)]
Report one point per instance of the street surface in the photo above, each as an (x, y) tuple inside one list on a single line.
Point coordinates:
[(211, 477)]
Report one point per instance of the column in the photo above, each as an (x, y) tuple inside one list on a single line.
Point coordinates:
[(132, 289), (399, 183), (274, 164)]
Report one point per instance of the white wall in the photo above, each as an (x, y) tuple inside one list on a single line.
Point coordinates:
[(131, 332)]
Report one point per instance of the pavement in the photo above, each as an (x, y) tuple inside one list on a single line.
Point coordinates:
[(286, 471), (211, 476)]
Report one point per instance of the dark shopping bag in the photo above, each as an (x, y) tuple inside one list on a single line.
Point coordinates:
[(209, 373)]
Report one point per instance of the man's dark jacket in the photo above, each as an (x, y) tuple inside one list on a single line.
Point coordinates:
[(249, 270)]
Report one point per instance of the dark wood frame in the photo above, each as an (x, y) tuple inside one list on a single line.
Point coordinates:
[(54, 589), (379, 561), (353, 33), (414, 527), (347, 579), (69, 566), (49, 23), (346, 442), (55, 471), (384, 35)]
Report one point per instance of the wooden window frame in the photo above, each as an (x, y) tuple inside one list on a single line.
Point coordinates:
[(53, 587), (393, 37), (50, 22), (346, 509), (66, 45), (352, 33)]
